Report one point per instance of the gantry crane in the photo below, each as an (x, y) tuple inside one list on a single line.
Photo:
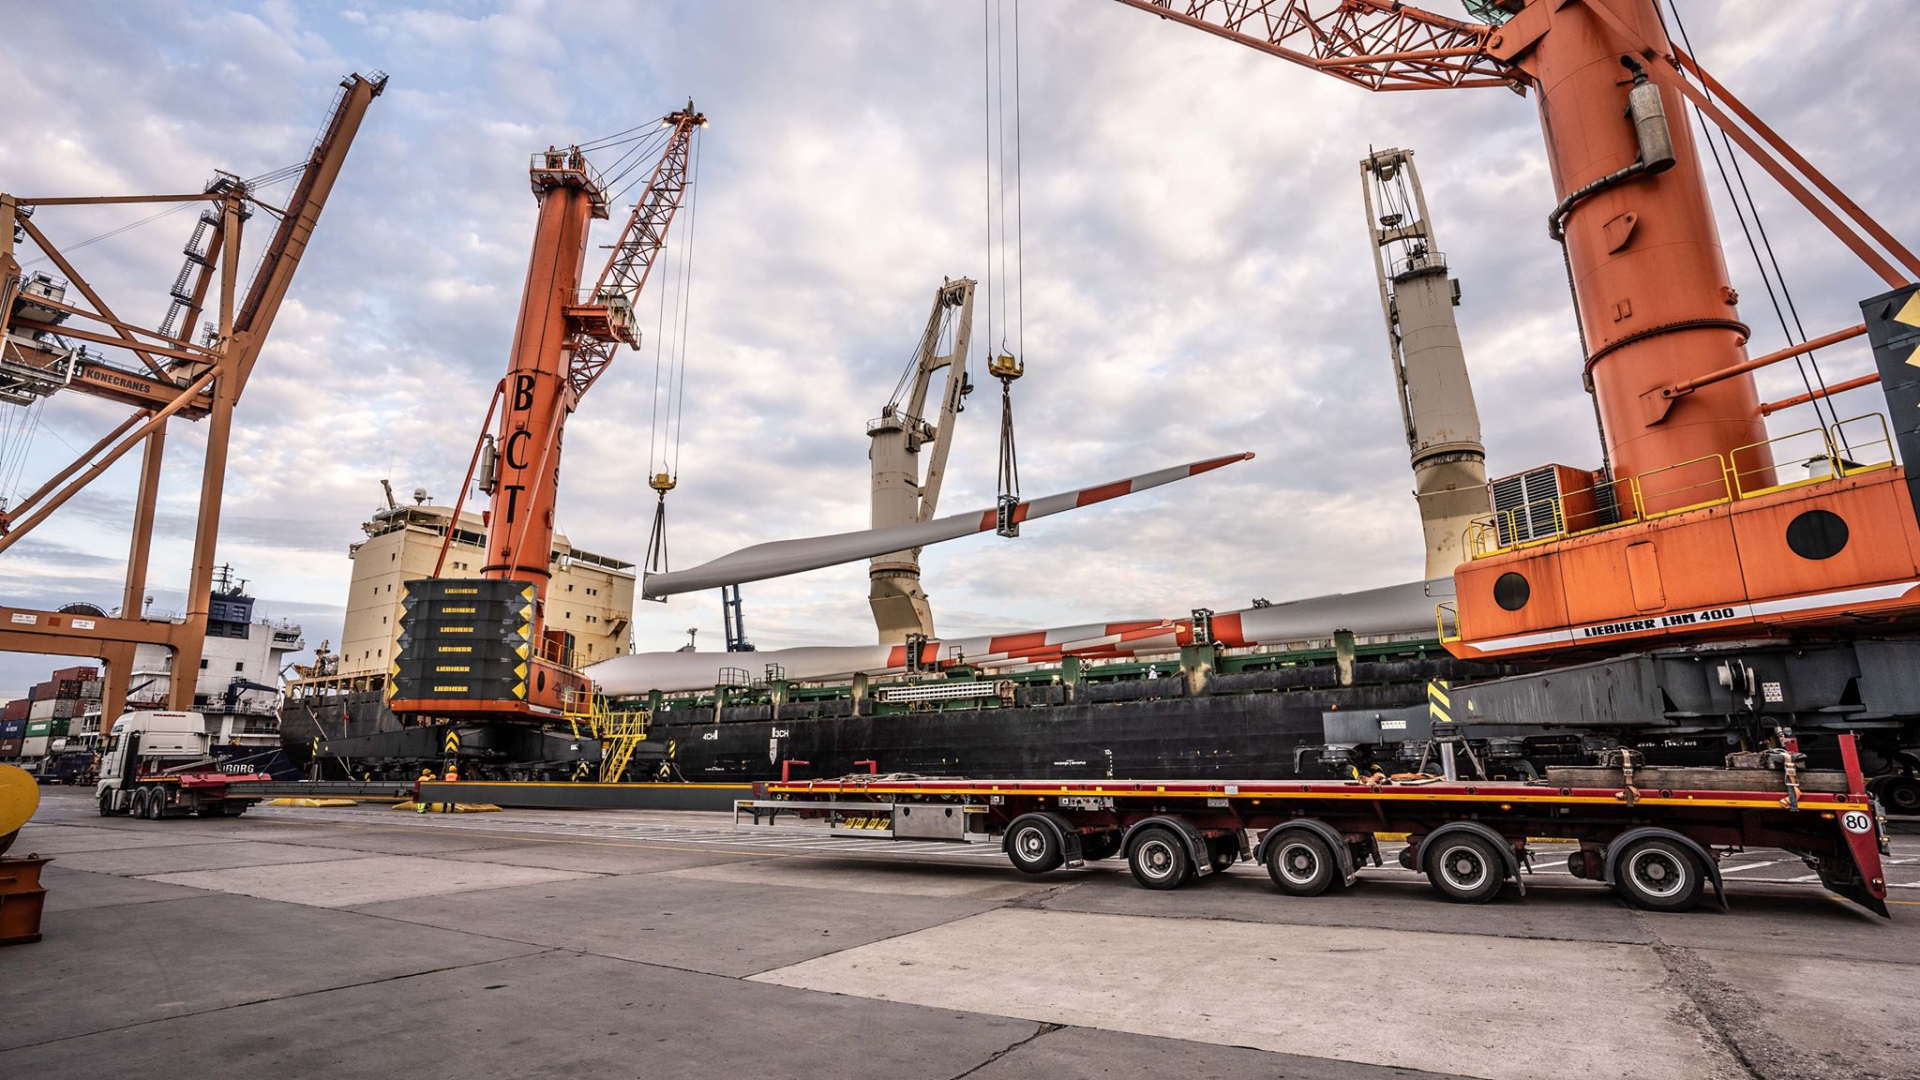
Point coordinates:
[(44, 348), (902, 494), (1688, 529), (481, 650)]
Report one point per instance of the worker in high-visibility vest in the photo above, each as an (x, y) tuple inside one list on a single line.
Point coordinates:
[(426, 777), (453, 777)]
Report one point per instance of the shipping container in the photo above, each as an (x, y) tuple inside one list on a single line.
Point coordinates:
[(37, 728), (15, 709), (68, 708), (66, 688), (42, 708), (10, 748), (90, 690), (34, 747), (13, 729), (75, 673), (40, 690)]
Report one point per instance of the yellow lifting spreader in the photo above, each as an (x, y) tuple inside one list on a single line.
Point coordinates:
[(1006, 367)]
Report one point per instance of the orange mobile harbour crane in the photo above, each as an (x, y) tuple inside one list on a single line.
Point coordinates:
[(1690, 529), (480, 652)]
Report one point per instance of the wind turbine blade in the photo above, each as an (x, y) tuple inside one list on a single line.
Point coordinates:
[(1395, 610), (783, 557)]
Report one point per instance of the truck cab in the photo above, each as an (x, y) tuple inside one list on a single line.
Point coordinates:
[(158, 764)]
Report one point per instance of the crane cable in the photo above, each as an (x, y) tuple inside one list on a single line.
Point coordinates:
[(670, 356), (1745, 196), (1004, 363)]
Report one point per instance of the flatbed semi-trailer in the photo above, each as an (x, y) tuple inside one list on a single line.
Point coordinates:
[(1654, 836)]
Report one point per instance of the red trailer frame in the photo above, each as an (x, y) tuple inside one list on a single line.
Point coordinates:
[(1658, 847)]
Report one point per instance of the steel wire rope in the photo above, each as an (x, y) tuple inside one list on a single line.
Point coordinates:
[(1000, 129), (1810, 359), (265, 179), (686, 306), (642, 153), (986, 85), (1019, 205)]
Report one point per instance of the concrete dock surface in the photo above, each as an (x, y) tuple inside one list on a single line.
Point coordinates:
[(364, 941)]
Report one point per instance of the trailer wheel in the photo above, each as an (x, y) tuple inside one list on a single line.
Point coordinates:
[(1465, 869), (1159, 859), (106, 803), (1301, 864), (1033, 846), (1100, 845), (1656, 874)]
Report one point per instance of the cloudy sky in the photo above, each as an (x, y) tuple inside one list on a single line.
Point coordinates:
[(1196, 280)]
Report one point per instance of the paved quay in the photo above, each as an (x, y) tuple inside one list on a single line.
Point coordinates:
[(349, 942)]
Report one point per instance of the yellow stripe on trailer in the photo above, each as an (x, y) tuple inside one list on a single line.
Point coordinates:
[(1766, 801)]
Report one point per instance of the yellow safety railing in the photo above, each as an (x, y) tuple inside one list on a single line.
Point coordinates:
[(1848, 448), (1446, 612), (619, 731)]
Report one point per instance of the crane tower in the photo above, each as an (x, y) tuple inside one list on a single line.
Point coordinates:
[(1417, 296)]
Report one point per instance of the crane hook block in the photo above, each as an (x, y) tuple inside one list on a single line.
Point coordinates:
[(1005, 367), (661, 483)]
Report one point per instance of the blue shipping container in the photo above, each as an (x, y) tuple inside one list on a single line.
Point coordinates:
[(12, 729)]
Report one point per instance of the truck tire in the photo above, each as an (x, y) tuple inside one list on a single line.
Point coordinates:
[(106, 804), (142, 805), (1033, 846), (1159, 859), (1301, 864), (1100, 845), (234, 808), (1656, 874), (1900, 795), (1465, 869)]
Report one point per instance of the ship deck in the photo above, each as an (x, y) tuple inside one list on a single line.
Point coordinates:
[(367, 941)]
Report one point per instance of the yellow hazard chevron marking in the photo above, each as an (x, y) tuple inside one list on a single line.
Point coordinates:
[(520, 671), (1439, 704), (452, 742), (1910, 311), (522, 650)]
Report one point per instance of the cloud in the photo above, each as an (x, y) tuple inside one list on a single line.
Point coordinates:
[(1194, 279)]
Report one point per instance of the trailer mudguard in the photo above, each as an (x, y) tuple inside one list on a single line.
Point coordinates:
[(1065, 832), (1610, 858), (1338, 843), (1195, 840), (1491, 836)]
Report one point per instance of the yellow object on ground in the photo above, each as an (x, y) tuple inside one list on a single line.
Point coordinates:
[(306, 801), (440, 808), (19, 798)]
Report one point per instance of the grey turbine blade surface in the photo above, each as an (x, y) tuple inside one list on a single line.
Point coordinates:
[(782, 557)]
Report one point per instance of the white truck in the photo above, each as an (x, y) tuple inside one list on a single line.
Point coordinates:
[(160, 764)]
